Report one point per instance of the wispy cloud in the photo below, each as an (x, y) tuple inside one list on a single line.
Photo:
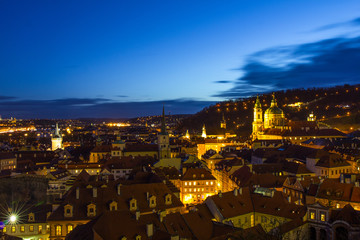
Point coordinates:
[(324, 63), (351, 23), (96, 108)]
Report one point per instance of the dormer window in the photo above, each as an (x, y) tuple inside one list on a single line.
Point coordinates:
[(68, 210), (168, 200), (133, 204), (91, 210), (31, 217), (113, 206), (152, 201)]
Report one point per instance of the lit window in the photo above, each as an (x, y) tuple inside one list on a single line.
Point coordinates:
[(22, 228), (40, 228), (31, 228), (312, 215), (69, 228), (185, 183), (211, 183), (337, 205), (194, 183), (207, 183), (58, 230), (4, 229), (13, 229), (322, 217), (189, 183)]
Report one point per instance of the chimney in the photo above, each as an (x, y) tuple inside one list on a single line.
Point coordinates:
[(149, 229), (240, 191), (77, 193), (119, 189), (95, 192), (235, 192), (137, 214)]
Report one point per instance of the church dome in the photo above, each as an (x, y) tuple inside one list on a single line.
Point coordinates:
[(274, 109)]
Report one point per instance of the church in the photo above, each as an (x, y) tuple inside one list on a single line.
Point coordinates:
[(272, 125)]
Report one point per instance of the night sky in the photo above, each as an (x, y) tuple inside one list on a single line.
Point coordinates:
[(109, 59)]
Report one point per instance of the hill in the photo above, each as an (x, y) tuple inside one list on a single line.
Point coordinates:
[(336, 106)]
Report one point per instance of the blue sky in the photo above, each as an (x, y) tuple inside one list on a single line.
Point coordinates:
[(104, 58)]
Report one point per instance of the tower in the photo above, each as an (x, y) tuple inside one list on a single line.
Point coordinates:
[(56, 139), (311, 117), (203, 131), (258, 122), (223, 122), (163, 140), (187, 135)]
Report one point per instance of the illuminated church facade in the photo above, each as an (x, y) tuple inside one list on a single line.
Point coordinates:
[(272, 118), (272, 125)]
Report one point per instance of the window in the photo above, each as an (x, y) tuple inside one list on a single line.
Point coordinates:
[(40, 228), (185, 183), (194, 183), (22, 228), (4, 229), (13, 229), (58, 230), (31, 228), (322, 217), (211, 183), (207, 183), (337, 205), (312, 215), (189, 183), (69, 228)]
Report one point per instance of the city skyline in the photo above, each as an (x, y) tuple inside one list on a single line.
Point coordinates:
[(117, 59)]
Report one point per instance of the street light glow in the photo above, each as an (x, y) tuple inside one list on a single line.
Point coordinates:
[(13, 218)]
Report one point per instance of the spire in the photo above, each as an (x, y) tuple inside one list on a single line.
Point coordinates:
[(57, 129), (273, 101), (57, 132), (257, 103), (203, 131), (163, 127)]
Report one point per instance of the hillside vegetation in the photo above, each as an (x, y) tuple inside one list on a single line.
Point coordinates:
[(337, 106)]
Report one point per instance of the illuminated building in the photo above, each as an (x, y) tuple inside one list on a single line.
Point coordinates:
[(163, 140), (196, 185), (56, 139), (203, 134), (272, 126)]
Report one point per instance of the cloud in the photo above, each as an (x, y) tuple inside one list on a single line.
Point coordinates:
[(352, 23), (96, 108), (323, 63), (6, 98), (122, 96), (223, 81)]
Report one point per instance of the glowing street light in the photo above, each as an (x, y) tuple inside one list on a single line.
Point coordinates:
[(13, 218)]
